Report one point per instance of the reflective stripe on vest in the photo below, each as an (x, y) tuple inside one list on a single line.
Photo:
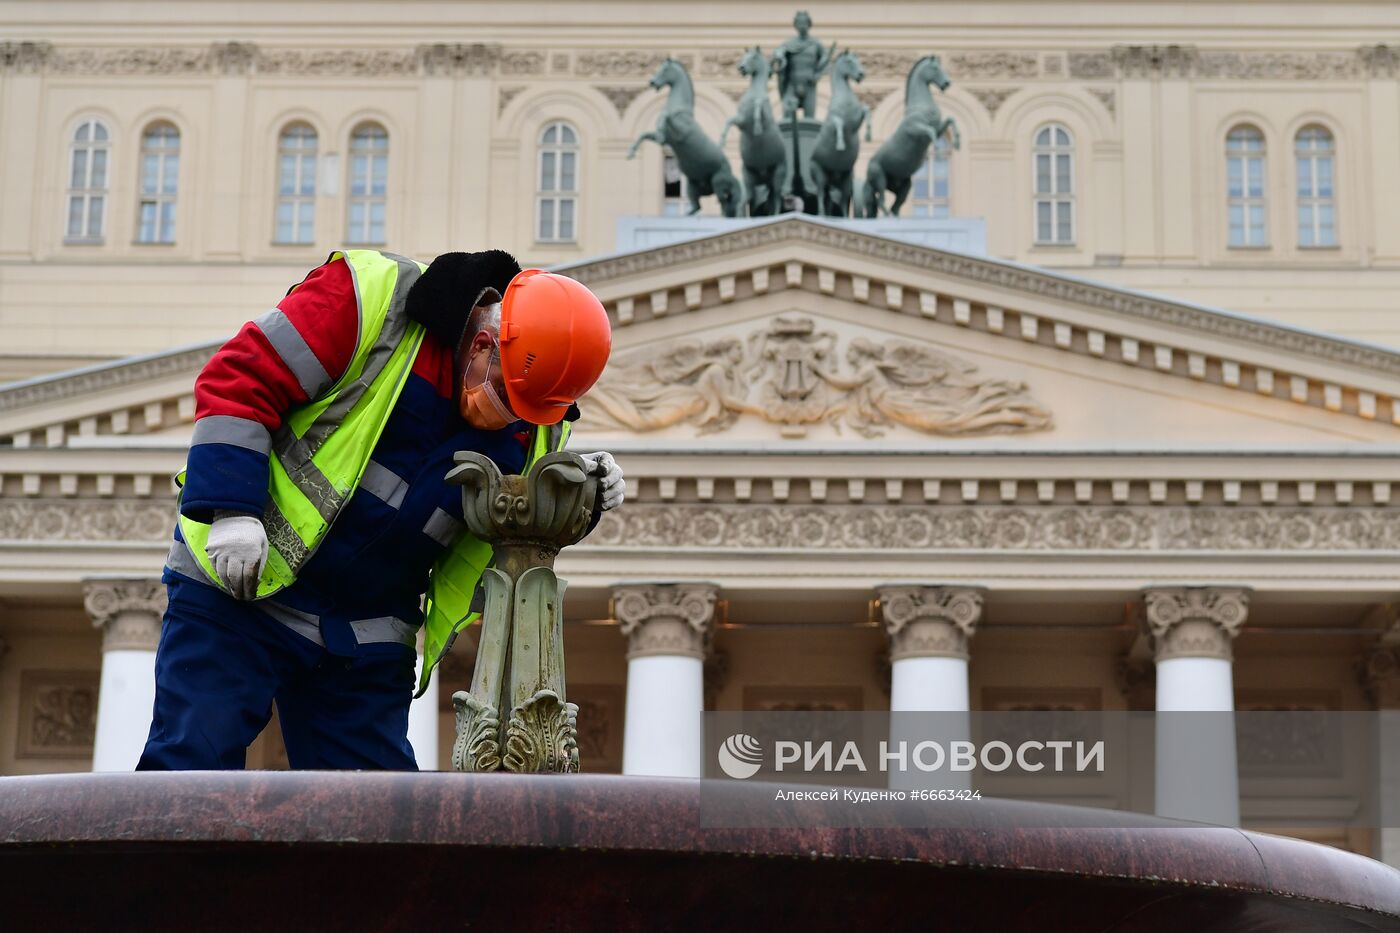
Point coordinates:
[(323, 447), (448, 608)]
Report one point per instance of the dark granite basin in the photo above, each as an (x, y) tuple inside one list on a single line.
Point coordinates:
[(376, 851)]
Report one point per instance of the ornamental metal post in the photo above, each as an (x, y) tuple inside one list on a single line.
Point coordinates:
[(520, 657)]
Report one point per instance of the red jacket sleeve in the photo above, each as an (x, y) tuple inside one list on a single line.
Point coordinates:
[(284, 358)]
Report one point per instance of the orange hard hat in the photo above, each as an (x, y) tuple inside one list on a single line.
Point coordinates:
[(555, 340)]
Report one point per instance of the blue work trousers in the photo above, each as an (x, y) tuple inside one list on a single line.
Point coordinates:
[(220, 665)]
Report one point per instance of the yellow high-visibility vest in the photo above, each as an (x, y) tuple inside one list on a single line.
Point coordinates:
[(320, 453)]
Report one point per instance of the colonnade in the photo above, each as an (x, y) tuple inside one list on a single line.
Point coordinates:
[(669, 630)]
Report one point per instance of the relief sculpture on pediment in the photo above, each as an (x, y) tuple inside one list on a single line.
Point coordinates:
[(795, 376)]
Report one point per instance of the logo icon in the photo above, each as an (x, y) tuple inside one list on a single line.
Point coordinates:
[(740, 756)]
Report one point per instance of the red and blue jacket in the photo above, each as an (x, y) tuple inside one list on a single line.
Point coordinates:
[(374, 562)]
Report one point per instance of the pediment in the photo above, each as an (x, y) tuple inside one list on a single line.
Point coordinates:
[(796, 331)]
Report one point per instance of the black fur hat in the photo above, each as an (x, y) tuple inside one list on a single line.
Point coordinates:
[(446, 292)]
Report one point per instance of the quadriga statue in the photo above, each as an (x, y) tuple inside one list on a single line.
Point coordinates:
[(760, 143), (703, 164), (833, 157), (899, 158)]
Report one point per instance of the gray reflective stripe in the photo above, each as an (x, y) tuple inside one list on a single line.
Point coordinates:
[(384, 484), (295, 453), (442, 527), (385, 628), (182, 561), (226, 429), (292, 347), (303, 623), (283, 538)]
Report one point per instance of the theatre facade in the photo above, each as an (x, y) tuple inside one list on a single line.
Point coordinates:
[(846, 455), (951, 461)]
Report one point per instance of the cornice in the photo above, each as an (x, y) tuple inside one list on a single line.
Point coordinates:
[(1001, 273), (732, 265), (103, 377)]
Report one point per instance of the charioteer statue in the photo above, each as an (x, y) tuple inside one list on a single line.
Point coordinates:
[(798, 63)]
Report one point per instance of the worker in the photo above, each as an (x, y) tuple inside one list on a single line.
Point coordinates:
[(314, 513)]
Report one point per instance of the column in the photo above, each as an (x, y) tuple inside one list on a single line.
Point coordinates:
[(929, 628), (1192, 629), (1380, 677), (669, 628), (423, 717), (129, 613)]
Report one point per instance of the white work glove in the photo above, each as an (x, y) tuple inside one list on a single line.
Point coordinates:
[(238, 548), (611, 484)]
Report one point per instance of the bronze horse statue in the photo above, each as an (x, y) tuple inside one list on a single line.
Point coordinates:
[(834, 155), (760, 143), (703, 164), (900, 157)]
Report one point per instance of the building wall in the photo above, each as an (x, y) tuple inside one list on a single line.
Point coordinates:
[(1148, 97)]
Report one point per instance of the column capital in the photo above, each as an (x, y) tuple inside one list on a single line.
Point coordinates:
[(129, 611), (1194, 621), (666, 618), (929, 621)]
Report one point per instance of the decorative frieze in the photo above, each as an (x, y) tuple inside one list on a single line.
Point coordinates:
[(441, 59), (631, 63), (981, 66), (1154, 61), (25, 57), (459, 59), (1194, 622), (666, 618), (118, 520), (929, 621), (128, 612), (121, 62), (996, 528), (1092, 65)]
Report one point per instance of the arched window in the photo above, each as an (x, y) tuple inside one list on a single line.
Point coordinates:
[(369, 182), (1317, 206), (1053, 156), (296, 185), (1244, 178), (672, 197), (928, 194), (87, 181), (556, 200), (159, 184)]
